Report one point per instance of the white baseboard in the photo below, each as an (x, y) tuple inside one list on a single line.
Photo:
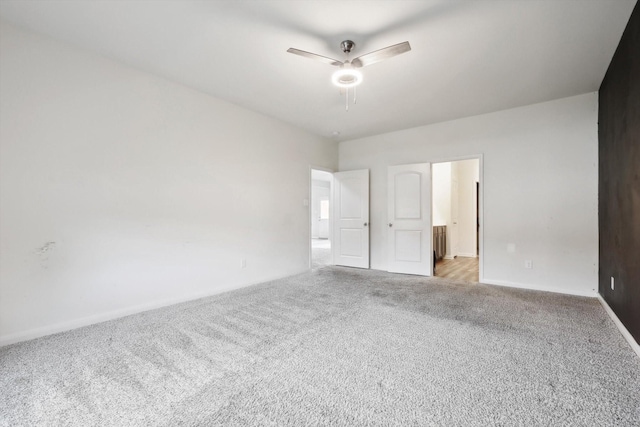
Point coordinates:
[(623, 330), (448, 257), (116, 314), (592, 293), (467, 255)]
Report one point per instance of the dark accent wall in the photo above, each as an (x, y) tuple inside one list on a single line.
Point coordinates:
[(619, 179)]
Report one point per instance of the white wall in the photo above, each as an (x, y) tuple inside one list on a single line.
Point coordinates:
[(468, 171), (540, 187), (122, 191), (441, 199)]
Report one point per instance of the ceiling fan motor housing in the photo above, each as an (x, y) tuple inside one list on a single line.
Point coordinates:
[(347, 46)]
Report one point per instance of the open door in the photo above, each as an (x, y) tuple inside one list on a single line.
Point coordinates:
[(409, 219), (351, 218)]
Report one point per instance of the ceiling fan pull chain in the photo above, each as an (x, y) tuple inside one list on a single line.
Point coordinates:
[(355, 95), (346, 104)]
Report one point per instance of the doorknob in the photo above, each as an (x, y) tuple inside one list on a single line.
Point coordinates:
[(390, 225), (366, 223)]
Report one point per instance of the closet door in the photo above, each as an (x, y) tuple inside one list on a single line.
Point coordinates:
[(409, 219)]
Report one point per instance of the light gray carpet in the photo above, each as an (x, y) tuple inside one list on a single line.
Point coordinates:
[(320, 253), (336, 346)]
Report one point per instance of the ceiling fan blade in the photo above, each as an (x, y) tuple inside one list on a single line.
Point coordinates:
[(314, 56), (381, 54)]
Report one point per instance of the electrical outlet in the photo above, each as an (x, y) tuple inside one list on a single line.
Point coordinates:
[(528, 263), (243, 263), (613, 283)]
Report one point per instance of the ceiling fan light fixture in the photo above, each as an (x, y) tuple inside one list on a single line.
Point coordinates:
[(346, 77)]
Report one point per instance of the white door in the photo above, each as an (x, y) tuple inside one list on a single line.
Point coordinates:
[(455, 231), (350, 245), (409, 219)]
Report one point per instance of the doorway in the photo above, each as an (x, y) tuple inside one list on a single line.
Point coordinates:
[(456, 219), (320, 218)]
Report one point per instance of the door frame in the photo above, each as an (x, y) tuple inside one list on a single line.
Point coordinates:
[(480, 202), (310, 209)]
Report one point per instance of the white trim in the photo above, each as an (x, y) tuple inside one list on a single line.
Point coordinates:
[(467, 255), (623, 330), (455, 158), (587, 293), (119, 313)]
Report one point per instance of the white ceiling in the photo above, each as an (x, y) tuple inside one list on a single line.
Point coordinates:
[(467, 57)]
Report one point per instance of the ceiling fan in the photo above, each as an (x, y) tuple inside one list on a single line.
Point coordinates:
[(348, 75)]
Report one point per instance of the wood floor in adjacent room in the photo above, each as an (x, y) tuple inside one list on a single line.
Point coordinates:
[(459, 268)]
